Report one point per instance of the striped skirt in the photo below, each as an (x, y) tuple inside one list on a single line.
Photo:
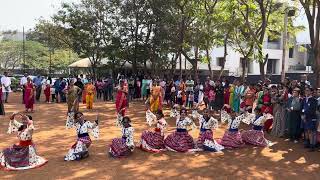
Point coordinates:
[(207, 143), (232, 140), (119, 148), (255, 137), (179, 141), (152, 141)]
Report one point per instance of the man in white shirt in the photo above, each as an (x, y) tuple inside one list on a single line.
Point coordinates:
[(6, 82), (23, 81)]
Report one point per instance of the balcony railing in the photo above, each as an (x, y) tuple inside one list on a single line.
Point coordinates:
[(272, 45), (298, 67)]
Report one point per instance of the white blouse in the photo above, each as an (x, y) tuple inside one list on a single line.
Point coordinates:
[(84, 128), (184, 123), (251, 119), (152, 119), (212, 123), (127, 133), (23, 135), (232, 124)]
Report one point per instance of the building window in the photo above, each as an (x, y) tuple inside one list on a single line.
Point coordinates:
[(220, 61), (272, 66), (291, 50)]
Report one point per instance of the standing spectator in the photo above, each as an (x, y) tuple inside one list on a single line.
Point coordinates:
[(190, 100), (53, 93), (29, 95), (83, 79), (189, 85), (144, 88), (37, 81), (249, 97), (131, 88), (56, 87), (309, 111), (2, 112), (90, 91), (99, 87), (219, 90), (303, 83), (80, 85), (294, 120), (211, 98), (62, 86), (23, 81), (6, 83), (138, 88), (47, 92)]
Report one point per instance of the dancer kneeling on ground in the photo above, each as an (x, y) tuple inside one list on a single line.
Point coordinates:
[(255, 136), (124, 146), (154, 141), (206, 141), (180, 140), (79, 150), (232, 137), (21, 156)]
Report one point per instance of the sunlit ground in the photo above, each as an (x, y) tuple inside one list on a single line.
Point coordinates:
[(284, 160)]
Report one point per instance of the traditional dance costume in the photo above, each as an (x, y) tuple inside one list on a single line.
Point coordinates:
[(180, 141), (79, 150), (23, 155), (153, 141), (232, 137), (255, 136), (205, 139), (122, 147)]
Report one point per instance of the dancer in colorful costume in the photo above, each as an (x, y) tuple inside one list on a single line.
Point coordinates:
[(21, 156), (124, 146), (206, 141), (255, 136), (232, 137), (79, 150), (180, 140), (154, 141)]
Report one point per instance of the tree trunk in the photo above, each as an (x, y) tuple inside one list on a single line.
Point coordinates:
[(209, 63), (195, 66), (317, 69), (224, 55), (244, 67)]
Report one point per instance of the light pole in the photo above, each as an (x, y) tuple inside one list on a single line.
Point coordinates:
[(288, 13)]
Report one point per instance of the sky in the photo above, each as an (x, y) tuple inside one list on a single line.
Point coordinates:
[(14, 14)]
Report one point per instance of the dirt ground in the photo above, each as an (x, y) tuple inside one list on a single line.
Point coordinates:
[(284, 160)]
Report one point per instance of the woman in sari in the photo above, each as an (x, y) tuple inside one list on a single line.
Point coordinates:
[(90, 93), (155, 98), (23, 155), (29, 95), (73, 93), (121, 98)]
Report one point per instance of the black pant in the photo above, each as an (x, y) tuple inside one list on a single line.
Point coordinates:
[(99, 93), (38, 92)]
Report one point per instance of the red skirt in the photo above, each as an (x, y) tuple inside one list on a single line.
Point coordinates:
[(254, 137), (153, 139), (204, 135), (179, 141), (232, 140), (118, 148)]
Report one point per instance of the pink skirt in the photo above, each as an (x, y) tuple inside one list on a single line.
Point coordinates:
[(153, 139), (179, 141), (254, 137), (232, 140), (85, 140), (204, 135), (118, 148)]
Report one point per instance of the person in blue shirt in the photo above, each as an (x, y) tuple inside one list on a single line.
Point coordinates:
[(38, 83), (309, 117), (56, 86)]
